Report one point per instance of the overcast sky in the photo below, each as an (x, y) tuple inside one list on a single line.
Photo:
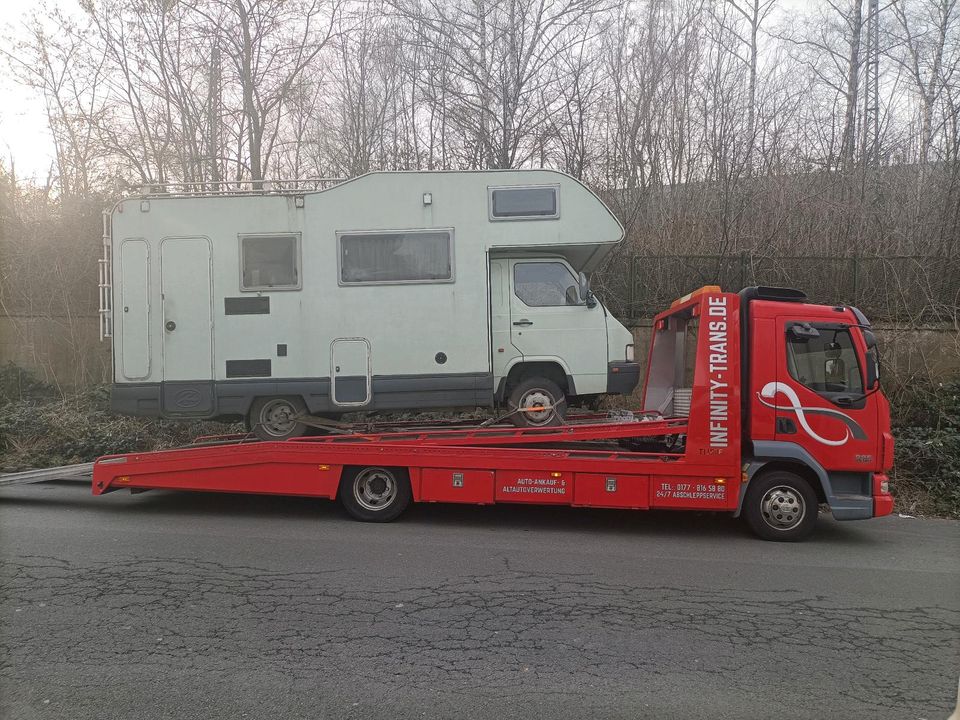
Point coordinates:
[(24, 136), (23, 122)]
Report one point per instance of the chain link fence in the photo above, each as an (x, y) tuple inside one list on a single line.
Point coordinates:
[(900, 288)]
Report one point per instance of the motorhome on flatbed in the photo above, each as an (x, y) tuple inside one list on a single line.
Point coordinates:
[(391, 291)]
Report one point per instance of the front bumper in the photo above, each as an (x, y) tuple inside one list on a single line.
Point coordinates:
[(622, 377)]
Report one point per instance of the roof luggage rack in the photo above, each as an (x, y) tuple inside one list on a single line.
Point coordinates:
[(205, 188)]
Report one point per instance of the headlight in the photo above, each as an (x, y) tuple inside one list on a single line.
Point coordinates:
[(629, 352)]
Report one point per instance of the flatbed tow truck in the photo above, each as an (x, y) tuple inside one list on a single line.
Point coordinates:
[(758, 404)]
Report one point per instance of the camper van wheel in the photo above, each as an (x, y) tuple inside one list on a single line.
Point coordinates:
[(275, 418), (537, 402), (780, 505), (374, 494)]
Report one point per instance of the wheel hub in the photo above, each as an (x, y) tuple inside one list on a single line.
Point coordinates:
[(375, 488), (783, 507), (278, 417), (542, 401)]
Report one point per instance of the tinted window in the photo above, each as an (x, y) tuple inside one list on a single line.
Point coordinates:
[(414, 256), (827, 363), (523, 202), (269, 262), (545, 284)]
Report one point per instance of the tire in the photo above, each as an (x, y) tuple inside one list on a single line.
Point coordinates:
[(780, 506), (374, 494), (273, 418), (537, 392)]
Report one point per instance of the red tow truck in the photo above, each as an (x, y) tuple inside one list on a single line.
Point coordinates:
[(756, 403)]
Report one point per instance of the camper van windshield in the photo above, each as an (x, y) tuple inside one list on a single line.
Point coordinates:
[(411, 256)]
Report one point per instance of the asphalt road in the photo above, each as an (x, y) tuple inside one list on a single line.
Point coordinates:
[(167, 605)]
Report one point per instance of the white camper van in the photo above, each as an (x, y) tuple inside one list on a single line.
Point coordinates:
[(391, 291)]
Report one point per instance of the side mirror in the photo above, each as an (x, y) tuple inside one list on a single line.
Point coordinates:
[(586, 297), (873, 368)]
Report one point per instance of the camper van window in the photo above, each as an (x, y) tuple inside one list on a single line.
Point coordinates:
[(270, 262), (411, 256), (524, 203), (545, 284)]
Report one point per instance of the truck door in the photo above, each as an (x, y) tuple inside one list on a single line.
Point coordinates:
[(548, 321), (819, 396), (187, 296)]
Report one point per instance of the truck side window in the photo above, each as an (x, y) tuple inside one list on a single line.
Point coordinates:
[(412, 256), (545, 284), (270, 262), (530, 202), (825, 364)]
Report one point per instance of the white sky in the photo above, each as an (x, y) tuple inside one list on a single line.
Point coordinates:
[(24, 136)]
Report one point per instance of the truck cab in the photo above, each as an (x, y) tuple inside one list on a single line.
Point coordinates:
[(786, 391), (814, 399)]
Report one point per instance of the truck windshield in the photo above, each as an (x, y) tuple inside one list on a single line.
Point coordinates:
[(827, 363)]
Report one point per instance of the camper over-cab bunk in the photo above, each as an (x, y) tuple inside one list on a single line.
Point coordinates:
[(392, 291)]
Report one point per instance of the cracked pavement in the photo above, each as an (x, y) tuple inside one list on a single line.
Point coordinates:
[(177, 605)]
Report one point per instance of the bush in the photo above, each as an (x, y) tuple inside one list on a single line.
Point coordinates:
[(927, 467), (41, 428)]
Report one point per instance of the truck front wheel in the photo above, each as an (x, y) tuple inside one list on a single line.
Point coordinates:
[(537, 402), (780, 506)]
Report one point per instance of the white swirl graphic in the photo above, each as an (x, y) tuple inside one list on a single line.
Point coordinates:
[(770, 391)]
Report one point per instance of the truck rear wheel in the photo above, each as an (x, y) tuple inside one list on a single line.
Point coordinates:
[(537, 402), (780, 506), (275, 418), (375, 494)]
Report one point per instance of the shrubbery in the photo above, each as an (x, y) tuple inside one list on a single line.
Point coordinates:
[(927, 432), (39, 427)]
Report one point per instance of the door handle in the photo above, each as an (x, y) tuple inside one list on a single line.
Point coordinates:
[(523, 322), (843, 401), (170, 325)]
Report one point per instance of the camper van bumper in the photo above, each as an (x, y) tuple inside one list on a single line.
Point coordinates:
[(622, 377)]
